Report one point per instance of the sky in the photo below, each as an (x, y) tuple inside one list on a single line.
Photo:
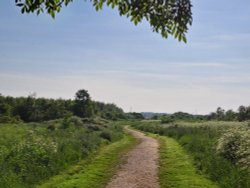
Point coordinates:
[(131, 66)]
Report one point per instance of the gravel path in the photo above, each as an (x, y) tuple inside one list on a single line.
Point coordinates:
[(141, 167)]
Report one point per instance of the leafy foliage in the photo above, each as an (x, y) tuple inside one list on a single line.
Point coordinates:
[(109, 111), (234, 145), (242, 114), (167, 119), (83, 106), (134, 115), (167, 17)]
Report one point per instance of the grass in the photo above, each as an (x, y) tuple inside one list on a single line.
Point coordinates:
[(177, 169), (95, 172)]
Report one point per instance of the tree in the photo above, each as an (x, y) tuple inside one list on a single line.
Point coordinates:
[(211, 116), (108, 111), (135, 115), (242, 113), (167, 119), (230, 115), (220, 113), (83, 104), (25, 109), (248, 113), (5, 109), (167, 17)]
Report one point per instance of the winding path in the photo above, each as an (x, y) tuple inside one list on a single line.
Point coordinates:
[(141, 167)]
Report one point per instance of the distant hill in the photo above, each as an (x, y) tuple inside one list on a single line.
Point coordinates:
[(149, 115)]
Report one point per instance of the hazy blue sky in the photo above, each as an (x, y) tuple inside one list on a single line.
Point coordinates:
[(126, 64)]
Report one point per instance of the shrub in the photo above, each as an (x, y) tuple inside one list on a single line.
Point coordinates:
[(234, 145), (51, 127), (32, 159), (94, 127), (106, 135), (167, 119), (76, 121), (8, 119)]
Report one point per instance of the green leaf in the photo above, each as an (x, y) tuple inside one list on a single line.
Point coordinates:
[(19, 4), (184, 39)]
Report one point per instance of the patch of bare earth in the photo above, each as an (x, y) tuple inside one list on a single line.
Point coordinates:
[(141, 167)]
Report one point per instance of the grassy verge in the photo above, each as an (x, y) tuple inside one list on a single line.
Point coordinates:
[(177, 169), (94, 172)]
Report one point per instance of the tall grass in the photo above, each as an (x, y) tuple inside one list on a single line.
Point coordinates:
[(177, 169)]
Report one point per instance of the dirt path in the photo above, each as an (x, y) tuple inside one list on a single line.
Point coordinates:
[(141, 167)]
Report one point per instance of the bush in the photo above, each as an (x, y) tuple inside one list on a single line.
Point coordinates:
[(51, 127), (234, 145), (8, 119), (167, 119), (106, 135), (94, 127), (69, 121), (32, 159), (76, 121)]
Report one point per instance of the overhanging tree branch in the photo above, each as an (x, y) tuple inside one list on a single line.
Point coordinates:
[(167, 17)]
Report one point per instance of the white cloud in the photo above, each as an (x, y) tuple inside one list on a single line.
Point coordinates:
[(236, 37), (202, 65)]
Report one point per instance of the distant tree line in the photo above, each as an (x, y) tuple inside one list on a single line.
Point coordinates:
[(135, 116), (242, 114), (32, 109), (180, 116)]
